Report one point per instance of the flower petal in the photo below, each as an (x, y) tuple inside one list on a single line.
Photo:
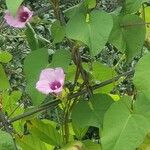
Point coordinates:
[(51, 81), (43, 87), (58, 91), (13, 21), (48, 74), (25, 9), (59, 75)]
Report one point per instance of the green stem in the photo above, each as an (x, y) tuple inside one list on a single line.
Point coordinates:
[(36, 110), (135, 24), (102, 84), (57, 11), (66, 126)]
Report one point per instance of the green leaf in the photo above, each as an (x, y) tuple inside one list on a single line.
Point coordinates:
[(90, 3), (58, 32), (42, 41), (142, 75), (132, 6), (16, 95), (5, 97), (84, 28), (13, 108), (10, 101), (100, 104), (100, 73), (61, 58), (13, 5), (82, 115), (6, 141), (70, 73), (142, 82), (45, 132), (5, 57), (75, 145), (19, 124), (91, 113), (146, 15), (142, 105), (72, 11), (29, 142), (89, 145), (33, 64), (146, 144), (4, 83), (49, 147), (32, 38), (123, 130), (79, 132), (123, 35)]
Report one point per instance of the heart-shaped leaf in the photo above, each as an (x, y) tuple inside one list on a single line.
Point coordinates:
[(92, 29)]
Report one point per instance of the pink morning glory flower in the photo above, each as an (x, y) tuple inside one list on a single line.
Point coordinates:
[(22, 17), (51, 81)]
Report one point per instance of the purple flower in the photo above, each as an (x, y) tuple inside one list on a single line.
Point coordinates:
[(51, 81), (22, 17)]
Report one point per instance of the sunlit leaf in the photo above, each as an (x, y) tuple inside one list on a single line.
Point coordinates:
[(30, 143), (5, 57), (101, 73), (45, 132), (89, 145), (90, 3)]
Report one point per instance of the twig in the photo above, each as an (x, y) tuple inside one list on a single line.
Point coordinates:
[(135, 24), (75, 95), (57, 11), (102, 84), (4, 122), (34, 111)]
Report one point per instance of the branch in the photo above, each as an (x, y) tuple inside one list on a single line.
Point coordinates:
[(102, 84), (135, 24), (56, 102), (35, 110), (4, 122)]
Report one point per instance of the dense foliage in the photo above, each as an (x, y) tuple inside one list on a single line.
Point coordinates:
[(74, 75)]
